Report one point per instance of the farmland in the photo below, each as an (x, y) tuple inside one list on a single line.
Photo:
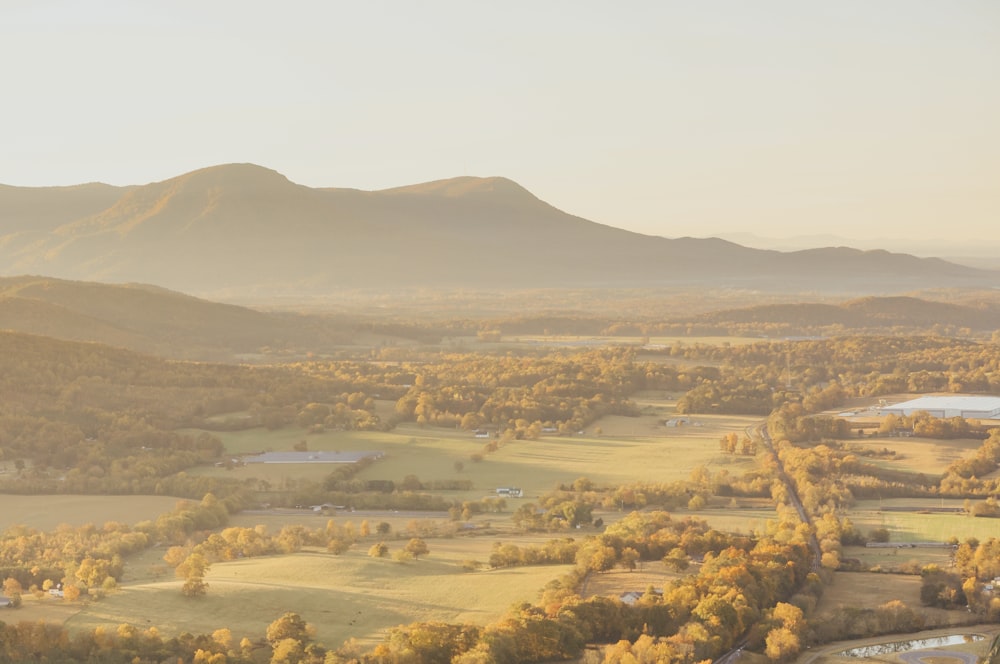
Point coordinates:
[(48, 512), (347, 596), (613, 442), (614, 450)]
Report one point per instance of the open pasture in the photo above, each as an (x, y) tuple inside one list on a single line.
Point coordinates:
[(345, 596), (627, 449), (617, 581), (47, 512), (889, 559), (733, 520), (914, 526), (920, 455), (869, 590)]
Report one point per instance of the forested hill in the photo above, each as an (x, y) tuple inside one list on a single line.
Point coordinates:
[(158, 321), (868, 313), (240, 230)]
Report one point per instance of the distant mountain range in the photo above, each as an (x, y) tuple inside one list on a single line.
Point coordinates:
[(240, 230)]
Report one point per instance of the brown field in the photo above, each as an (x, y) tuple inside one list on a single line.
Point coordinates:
[(617, 581), (866, 590), (47, 512), (920, 455)]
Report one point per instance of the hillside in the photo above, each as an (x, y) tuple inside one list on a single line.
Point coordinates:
[(240, 229), (867, 313), (155, 320)]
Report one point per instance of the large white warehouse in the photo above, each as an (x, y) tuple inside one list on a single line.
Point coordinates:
[(972, 408)]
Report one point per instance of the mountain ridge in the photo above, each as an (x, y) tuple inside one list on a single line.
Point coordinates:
[(243, 228)]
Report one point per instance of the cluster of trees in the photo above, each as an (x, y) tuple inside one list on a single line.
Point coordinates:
[(753, 378), (733, 443), (527, 393), (90, 560), (740, 583), (287, 640)]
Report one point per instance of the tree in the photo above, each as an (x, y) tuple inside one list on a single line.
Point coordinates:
[(378, 550), (417, 547), (629, 558), (289, 626), (192, 570), (782, 644)]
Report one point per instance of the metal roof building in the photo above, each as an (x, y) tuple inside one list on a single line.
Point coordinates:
[(981, 408), (311, 457)]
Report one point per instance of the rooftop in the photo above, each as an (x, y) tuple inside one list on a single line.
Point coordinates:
[(322, 456), (979, 403)]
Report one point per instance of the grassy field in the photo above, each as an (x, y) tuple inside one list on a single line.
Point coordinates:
[(730, 520), (47, 512), (916, 527), (344, 596), (613, 451), (920, 455)]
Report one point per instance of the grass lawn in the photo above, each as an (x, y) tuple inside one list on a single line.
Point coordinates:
[(47, 512), (344, 596)]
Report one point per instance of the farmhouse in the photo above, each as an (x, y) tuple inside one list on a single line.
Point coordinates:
[(312, 457), (975, 408)]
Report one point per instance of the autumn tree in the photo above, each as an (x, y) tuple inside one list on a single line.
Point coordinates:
[(417, 547)]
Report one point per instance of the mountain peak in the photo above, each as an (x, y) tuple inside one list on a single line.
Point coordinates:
[(467, 185), (240, 176)]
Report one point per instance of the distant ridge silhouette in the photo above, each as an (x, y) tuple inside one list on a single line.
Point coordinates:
[(242, 229)]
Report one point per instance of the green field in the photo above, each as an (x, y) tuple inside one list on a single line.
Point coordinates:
[(47, 512), (344, 596), (916, 527)]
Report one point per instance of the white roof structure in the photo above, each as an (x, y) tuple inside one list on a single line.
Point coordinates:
[(949, 406), (311, 457)]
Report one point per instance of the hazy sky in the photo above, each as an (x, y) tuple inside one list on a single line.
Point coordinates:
[(857, 117)]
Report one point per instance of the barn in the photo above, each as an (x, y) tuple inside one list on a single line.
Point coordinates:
[(969, 407)]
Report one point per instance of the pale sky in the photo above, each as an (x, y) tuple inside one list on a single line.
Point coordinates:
[(701, 117)]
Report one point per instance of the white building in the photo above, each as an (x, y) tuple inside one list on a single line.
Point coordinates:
[(971, 408)]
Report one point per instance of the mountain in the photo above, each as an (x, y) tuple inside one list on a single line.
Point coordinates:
[(240, 229), (158, 321)]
